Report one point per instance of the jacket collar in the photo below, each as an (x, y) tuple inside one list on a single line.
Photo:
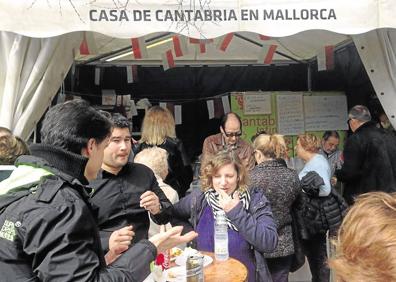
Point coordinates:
[(65, 164), (365, 125), (273, 163)]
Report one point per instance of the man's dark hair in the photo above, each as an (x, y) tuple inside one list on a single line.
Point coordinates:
[(330, 133), (71, 124), (225, 118), (119, 121)]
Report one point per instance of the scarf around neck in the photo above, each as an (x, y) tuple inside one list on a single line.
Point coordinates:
[(212, 197)]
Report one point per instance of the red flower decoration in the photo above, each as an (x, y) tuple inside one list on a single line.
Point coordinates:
[(160, 259)]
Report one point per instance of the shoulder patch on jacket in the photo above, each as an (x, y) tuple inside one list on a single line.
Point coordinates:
[(8, 231)]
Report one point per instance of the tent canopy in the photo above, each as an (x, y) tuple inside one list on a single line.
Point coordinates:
[(194, 18)]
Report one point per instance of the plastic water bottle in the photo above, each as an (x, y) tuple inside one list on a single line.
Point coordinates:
[(221, 237)]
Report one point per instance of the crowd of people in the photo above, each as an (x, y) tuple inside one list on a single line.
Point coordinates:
[(89, 203)]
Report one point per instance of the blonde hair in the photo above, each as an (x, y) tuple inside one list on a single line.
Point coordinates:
[(271, 146), (155, 158), (11, 147), (158, 123), (216, 162), (309, 142), (366, 245)]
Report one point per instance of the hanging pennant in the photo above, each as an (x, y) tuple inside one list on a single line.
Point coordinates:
[(139, 48), (201, 43), (88, 45), (264, 37), (97, 76), (267, 54), (218, 108), (168, 60), (180, 45), (226, 104), (325, 58), (129, 71), (225, 42), (178, 114), (210, 106), (162, 105)]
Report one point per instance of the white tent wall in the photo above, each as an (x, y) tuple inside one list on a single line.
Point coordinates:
[(33, 71), (377, 50)]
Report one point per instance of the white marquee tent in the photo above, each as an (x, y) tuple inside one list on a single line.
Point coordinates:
[(40, 40)]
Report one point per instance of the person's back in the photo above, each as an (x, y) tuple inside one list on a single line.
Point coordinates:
[(370, 161)]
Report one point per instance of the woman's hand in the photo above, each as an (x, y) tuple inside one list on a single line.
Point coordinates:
[(226, 202)]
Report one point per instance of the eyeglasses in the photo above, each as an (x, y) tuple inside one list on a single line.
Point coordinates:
[(233, 134)]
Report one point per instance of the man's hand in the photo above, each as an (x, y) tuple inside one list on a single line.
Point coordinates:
[(226, 202), (119, 242), (172, 238), (150, 202)]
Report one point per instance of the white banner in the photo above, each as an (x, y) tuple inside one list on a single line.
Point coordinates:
[(208, 19)]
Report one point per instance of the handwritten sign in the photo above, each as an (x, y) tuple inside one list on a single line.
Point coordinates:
[(256, 104), (325, 112), (290, 114)]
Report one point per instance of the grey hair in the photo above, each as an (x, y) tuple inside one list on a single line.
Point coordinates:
[(360, 113), (155, 158)]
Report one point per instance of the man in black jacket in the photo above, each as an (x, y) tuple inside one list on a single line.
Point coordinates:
[(47, 227), (123, 191), (369, 157)]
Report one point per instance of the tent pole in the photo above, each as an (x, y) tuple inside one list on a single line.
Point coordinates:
[(309, 77)]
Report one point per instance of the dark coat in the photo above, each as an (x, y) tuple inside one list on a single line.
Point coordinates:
[(281, 186), (314, 214), (117, 198), (180, 171), (256, 225), (53, 234), (369, 162)]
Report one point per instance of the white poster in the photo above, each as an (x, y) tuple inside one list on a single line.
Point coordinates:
[(290, 114), (325, 112), (256, 103)]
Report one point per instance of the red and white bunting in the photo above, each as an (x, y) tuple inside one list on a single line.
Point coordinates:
[(225, 42), (180, 45), (168, 60), (325, 58), (267, 54), (264, 37), (201, 43), (88, 46), (139, 48)]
